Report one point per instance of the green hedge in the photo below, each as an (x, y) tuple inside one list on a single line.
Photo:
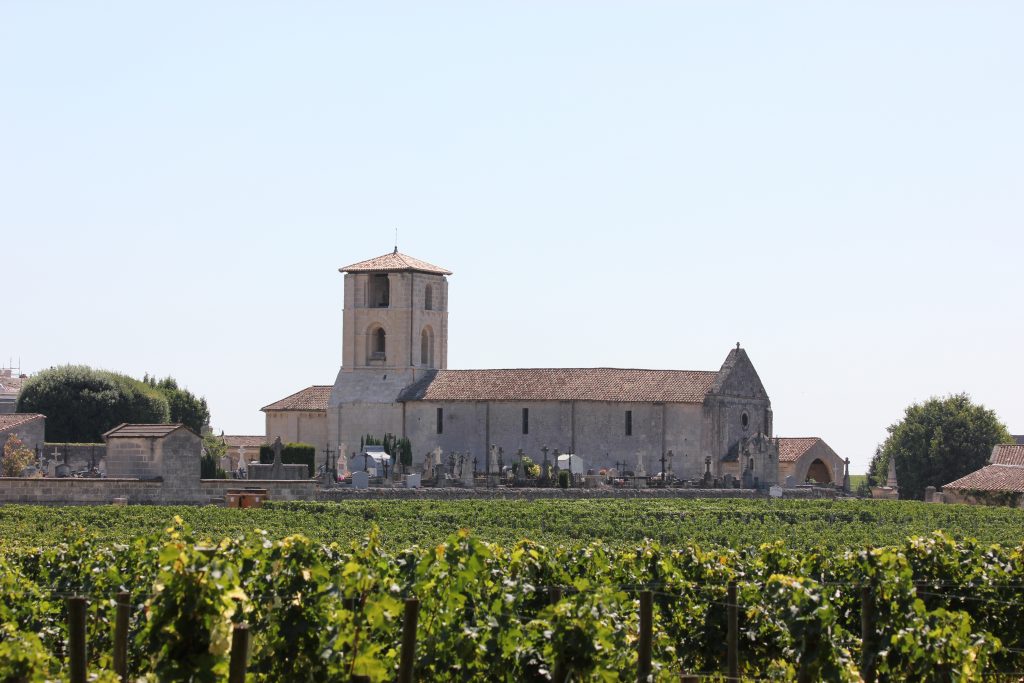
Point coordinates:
[(293, 453)]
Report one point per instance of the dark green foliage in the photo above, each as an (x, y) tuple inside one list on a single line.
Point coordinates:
[(185, 407), (81, 403), (937, 442), (213, 450), (292, 453), (563, 479)]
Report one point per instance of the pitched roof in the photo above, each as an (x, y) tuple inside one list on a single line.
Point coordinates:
[(394, 262), (16, 419), (791, 448), (1007, 454), (310, 398), (563, 384), (992, 478), (234, 441), (143, 430)]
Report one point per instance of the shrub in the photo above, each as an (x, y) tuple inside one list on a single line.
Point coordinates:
[(293, 453)]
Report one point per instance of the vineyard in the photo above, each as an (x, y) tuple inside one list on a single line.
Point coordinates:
[(781, 591)]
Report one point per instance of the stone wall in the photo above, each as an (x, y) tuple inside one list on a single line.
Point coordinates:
[(339, 494), (71, 491), (80, 455), (31, 433)]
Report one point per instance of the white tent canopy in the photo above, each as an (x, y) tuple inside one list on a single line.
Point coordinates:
[(578, 466)]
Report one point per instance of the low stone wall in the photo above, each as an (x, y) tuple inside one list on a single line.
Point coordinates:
[(74, 491), (345, 493)]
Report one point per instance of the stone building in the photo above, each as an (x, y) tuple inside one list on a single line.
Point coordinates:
[(1000, 482), (10, 388), (394, 378), (300, 418), (168, 452), (809, 459), (29, 427)]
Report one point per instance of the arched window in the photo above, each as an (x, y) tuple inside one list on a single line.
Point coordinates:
[(745, 420), (428, 298), (376, 343), (427, 347)]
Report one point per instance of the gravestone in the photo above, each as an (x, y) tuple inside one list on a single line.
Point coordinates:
[(790, 481), (727, 481), (412, 481), (360, 480), (775, 491), (467, 471)]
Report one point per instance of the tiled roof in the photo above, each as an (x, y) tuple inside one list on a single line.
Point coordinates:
[(234, 441), (992, 478), (11, 384), (1007, 454), (563, 384), (15, 419), (394, 262), (791, 448), (142, 430), (310, 398)]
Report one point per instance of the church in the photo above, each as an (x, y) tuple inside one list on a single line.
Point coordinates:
[(394, 379)]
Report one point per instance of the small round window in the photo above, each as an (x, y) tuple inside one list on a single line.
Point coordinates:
[(745, 420)]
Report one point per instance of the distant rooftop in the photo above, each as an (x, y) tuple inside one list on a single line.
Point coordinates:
[(395, 262), (311, 398), (15, 419), (153, 431)]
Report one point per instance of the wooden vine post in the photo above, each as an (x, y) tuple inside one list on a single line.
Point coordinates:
[(646, 629), (406, 665), (239, 653), (867, 635), (76, 639), (123, 607)]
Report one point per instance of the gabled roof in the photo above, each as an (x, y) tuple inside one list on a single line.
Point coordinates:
[(563, 384), (394, 262), (792, 448), (1007, 454), (15, 419), (149, 431), (991, 478), (235, 441), (311, 398)]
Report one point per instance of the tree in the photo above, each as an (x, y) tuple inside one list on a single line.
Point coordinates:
[(17, 456), (186, 408), (937, 442), (214, 449), (81, 403)]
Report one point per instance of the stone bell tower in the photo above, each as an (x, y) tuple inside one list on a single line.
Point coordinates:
[(396, 314), (395, 331)]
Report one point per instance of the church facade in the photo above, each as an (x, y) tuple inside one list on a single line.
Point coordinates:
[(394, 378)]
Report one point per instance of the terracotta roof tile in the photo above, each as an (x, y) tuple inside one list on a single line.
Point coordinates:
[(1007, 454), (991, 478), (791, 448), (15, 419), (310, 398), (394, 262), (234, 441), (563, 384), (142, 430)]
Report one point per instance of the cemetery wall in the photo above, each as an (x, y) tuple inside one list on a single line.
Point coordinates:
[(75, 491), (527, 494)]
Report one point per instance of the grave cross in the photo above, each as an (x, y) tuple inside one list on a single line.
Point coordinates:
[(544, 468), (663, 467), (277, 447)]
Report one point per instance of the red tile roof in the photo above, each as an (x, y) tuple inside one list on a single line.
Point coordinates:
[(311, 398), (15, 419), (394, 262), (793, 447), (991, 478), (143, 430), (563, 384), (1007, 454), (234, 441)]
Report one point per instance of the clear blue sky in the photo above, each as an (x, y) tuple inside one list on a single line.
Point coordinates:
[(838, 186)]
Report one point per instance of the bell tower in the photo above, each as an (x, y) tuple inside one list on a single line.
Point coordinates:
[(395, 315)]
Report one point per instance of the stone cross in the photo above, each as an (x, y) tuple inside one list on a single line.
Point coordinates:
[(640, 471), (277, 448)]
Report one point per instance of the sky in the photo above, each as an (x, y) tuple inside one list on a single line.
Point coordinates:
[(836, 186)]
